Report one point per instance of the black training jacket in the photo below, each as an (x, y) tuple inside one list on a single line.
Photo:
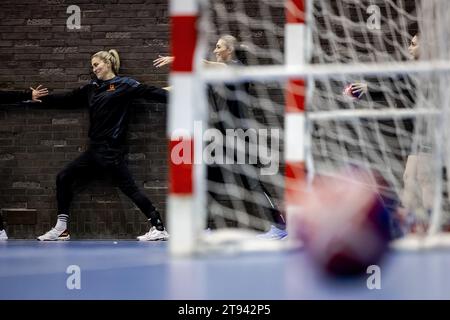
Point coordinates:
[(109, 105)]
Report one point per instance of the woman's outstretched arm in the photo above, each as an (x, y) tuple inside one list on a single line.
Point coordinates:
[(152, 93), (73, 99)]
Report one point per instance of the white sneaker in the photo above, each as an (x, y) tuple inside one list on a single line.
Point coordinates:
[(154, 235), (274, 233), (55, 235), (3, 235)]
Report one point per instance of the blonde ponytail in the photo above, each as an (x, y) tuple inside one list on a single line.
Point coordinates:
[(115, 60)]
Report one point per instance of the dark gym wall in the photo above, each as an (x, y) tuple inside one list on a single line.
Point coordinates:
[(36, 47)]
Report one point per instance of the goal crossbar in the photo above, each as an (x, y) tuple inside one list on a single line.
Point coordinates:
[(277, 73)]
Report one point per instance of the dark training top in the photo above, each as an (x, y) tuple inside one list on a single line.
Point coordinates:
[(109, 105), (14, 96)]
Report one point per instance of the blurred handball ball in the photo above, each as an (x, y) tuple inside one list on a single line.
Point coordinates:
[(348, 92), (344, 222)]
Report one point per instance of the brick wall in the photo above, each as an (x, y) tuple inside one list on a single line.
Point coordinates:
[(35, 144)]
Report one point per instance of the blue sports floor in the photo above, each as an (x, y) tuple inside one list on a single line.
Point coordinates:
[(142, 270)]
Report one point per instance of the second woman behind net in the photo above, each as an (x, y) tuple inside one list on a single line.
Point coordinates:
[(230, 112)]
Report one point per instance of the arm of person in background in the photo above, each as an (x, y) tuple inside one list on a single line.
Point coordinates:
[(377, 91), (33, 94)]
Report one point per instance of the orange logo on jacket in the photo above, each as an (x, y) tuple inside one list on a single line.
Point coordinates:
[(112, 87)]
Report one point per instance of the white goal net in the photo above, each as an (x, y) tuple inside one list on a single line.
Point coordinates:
[(376, 77)]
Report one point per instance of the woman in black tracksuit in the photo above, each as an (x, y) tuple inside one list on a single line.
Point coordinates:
[(224, 100), (14, 97), (108, 99), (418, 191)]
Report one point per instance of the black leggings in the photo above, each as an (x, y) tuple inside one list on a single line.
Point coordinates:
[(1, 223), (106, 160), (216, 173), (272, 212)]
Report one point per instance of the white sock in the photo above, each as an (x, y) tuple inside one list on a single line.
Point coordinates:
[(61, 224)]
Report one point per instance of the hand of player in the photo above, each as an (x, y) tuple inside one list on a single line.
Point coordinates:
[(359, 88), (162, 61), (38, 92)]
